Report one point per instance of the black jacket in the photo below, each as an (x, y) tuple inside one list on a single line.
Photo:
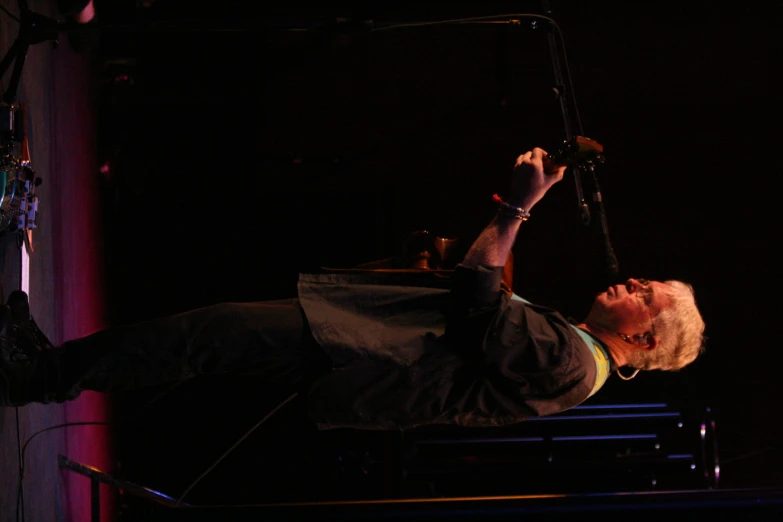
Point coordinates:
[(410, 349)]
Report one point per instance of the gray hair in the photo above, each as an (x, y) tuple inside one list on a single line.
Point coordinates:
[(680, 331)]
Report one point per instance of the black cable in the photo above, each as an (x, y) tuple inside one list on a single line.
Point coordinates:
[(19, 490), (20, 493), (237, 443), (134, 418), (23, 448), (466, 20), (10, 15), (20, 452), (570, 80), (747, 455)]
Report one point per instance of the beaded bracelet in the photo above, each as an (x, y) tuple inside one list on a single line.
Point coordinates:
[(509, 210)]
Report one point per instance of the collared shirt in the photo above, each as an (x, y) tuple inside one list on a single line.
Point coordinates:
[(410, 348), (603, 361)]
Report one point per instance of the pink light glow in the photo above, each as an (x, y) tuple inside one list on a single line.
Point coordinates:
[(77, 271)]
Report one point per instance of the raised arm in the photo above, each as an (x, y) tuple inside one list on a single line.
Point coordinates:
[(533, 175)]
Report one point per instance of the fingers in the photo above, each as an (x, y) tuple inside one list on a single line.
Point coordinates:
[(524, 158), (549, 167), (538, 154), (557, 171), (553, 169), (539, 158), (536, 157)]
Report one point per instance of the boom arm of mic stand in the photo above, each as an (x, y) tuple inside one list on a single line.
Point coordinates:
[(560, 91), (560, 87)]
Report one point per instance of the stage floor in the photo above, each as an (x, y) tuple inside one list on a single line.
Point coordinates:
[(729, 504)]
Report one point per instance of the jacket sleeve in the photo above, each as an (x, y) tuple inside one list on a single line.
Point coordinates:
[(476, 287)]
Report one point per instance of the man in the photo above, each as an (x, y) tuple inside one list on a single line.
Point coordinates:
[(385, 351)]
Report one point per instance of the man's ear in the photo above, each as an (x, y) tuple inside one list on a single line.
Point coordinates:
[(648, 341), (645, 341)]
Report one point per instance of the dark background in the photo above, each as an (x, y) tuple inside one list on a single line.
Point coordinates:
[(239, 153)]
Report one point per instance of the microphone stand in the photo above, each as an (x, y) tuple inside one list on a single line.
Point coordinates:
[(611, 258), (18, 180), (579, 167), (35, 28)]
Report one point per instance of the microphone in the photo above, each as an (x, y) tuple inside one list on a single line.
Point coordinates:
[(578, 151), (583, 153)]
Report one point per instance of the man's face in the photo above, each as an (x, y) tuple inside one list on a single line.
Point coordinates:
[(629, 308)]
